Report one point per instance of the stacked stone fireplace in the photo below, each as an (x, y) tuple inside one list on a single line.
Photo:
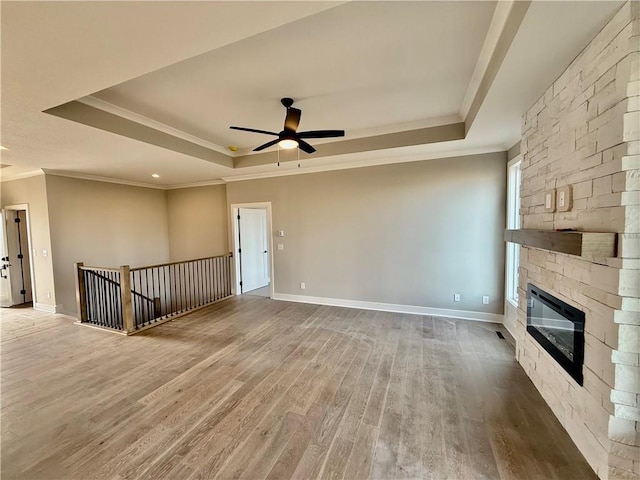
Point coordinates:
[(584, 132)]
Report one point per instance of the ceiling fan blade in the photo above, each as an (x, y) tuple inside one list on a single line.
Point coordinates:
[(244, 129), (305, 147), (321, 134), (266, 145), (292, 120)]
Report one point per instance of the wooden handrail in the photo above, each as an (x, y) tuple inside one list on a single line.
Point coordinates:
[(105, 269), (226, 255)]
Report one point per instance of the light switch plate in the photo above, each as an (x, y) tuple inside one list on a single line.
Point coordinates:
[(563, 198), (550, 201)]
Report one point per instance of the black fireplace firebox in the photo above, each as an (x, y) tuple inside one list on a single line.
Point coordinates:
[(558, 328)]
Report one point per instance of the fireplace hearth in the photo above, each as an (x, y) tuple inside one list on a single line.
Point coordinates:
[(558, 328)]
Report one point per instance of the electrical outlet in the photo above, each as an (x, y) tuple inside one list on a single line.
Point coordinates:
[(456, 297), (485, 299), (281, 246), (302, 286)]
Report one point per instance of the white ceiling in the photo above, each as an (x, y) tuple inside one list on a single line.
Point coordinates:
[(194, 68)]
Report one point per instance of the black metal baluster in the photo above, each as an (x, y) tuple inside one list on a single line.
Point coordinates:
[(223, 284), (118, 290), (209, 296), (199, 283), (174, 292), (157, 294), (140, 320), (103, 300), (180, 280), (190, 270), (195, 284), (109, 306), (219, 278), (223, 279), (185, 276), (114, 299), (153, 294), (164, 286), (228, 264), (190, 283), (203, 293), (215, 278), (87, 293), (145, 298), (96, 295), (94, 299), (214, 294), (87, 283), (107, 301)]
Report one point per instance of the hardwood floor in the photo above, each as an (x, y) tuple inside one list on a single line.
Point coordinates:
[(253, 388)]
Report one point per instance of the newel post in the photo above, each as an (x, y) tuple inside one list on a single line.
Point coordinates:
[(81, 293), (125, 291)]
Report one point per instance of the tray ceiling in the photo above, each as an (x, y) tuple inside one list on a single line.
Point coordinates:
[(157, 84)]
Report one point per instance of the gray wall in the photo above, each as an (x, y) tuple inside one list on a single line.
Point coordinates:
[(197, 222), (407, 234), (103, 224)]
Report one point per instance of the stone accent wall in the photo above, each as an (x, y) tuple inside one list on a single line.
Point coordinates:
[(585, 132)]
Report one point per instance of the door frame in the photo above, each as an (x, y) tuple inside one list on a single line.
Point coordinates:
[(234, 207), (25, 207)]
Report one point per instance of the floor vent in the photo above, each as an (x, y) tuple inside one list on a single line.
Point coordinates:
[(500, 335)]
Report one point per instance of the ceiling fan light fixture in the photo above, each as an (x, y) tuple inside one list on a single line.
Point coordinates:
[(288, 143)]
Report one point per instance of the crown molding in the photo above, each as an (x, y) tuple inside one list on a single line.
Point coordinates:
[(383, 160), (98, 178), (283, 171), (206, 183), (18, 176)]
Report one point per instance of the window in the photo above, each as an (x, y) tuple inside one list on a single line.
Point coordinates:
[(513, 222)]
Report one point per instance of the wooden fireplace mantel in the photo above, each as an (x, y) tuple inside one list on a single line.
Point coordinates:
[(583, 244)]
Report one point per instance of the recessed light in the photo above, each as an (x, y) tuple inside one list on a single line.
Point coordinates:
[(233, 148), (3, 148), (155, 175)]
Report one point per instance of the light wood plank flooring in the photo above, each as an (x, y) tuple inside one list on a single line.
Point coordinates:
[(252, 388)]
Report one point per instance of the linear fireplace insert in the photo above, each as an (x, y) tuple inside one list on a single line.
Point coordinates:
[(558, 328)]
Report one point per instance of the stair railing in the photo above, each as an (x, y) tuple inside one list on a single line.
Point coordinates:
[(133, 299)]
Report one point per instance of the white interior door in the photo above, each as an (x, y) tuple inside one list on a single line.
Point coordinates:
[(254, 256), (5, 279)]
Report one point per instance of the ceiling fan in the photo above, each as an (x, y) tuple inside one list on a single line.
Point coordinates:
[(289, 137)]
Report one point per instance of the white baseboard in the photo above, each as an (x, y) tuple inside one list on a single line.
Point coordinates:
[(391, 307), (43, 307)]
